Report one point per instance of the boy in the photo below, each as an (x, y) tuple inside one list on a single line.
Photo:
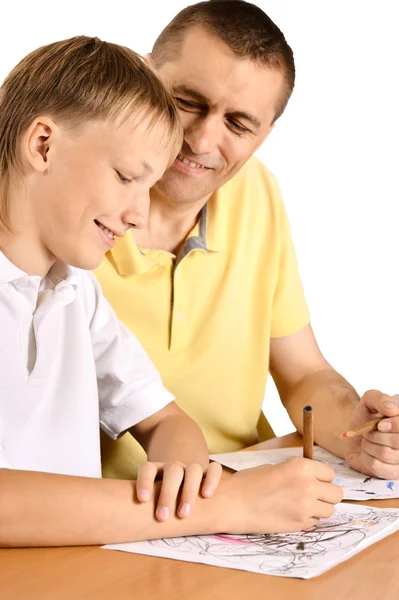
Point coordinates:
[(85, 131)]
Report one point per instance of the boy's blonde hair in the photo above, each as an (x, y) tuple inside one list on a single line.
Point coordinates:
[(74, 81)]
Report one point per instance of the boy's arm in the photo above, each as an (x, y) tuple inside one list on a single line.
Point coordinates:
[(42, 509)]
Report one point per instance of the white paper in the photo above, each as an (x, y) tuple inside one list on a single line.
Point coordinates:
[(356, 486), (304, 554)]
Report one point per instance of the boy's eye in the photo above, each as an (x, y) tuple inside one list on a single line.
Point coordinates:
[(123, 178)]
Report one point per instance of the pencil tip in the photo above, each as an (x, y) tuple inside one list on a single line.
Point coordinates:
[(345, 434)]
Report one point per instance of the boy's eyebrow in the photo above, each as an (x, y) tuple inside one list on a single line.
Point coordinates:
[(240, 114)]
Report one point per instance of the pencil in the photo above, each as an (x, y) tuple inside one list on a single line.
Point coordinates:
[(365, 428), (308, 434)]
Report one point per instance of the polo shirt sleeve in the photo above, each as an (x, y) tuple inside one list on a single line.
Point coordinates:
[(130, 387), (290, 312)]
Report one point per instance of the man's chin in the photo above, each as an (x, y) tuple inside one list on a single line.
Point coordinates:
[(182, 189)]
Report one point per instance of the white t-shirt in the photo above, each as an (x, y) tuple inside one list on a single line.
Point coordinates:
[(66, 365)]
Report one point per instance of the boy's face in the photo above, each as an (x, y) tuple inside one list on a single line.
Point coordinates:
[(96, 184)]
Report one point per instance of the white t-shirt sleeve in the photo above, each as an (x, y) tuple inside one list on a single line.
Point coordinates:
[(3, 461), (130, 387)]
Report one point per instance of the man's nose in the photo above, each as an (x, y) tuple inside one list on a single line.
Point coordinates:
[(136, 214), (202, 135)]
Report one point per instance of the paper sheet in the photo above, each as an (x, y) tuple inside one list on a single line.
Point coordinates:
[(356, 486), (351, 529)]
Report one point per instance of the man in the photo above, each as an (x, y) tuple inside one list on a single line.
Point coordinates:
[(211, 285)]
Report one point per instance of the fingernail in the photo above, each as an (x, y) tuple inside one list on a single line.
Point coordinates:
[(143, 495), (208, 490), (163, 514), (385, 426), (185, 510), (390, 405)]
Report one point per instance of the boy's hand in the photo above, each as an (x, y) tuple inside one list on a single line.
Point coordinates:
[(290, 496), (181, 485)]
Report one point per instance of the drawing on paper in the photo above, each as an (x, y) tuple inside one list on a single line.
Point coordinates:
[(290, 554), (303, 554)]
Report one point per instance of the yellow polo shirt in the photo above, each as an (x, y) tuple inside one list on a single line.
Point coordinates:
[(206, 316)]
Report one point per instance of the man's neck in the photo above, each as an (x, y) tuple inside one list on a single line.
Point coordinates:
[(169, 223)]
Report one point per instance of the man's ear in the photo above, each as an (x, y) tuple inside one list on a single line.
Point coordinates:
[(38, 143), (149, 62), (264, 137)]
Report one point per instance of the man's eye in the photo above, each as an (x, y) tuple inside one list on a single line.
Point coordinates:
[(185, 104), (124, 179), (237, 127)]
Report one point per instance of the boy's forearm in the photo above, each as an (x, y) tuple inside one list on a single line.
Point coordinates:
[(333, 400), (41, 509), (178, 438)]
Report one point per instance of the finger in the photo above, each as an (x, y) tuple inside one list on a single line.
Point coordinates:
[(173, 475), (389, 425), (212, 479), (329, 493), (323, 472), (192, 482), (383, 439), (370, 465), (145, 481), (384, 453), (377, 402), (323, 510)]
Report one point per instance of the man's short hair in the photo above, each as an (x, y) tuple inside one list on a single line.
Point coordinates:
[(243, 27)]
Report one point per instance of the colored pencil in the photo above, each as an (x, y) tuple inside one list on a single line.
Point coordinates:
[(308, 432), (365, 428)]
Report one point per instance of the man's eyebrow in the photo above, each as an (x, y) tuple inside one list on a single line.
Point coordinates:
[(184, 89), (239, 114)]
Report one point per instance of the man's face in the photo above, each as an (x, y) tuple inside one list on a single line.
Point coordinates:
[(97, 183), (227, 106)]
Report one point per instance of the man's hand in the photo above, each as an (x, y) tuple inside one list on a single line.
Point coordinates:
[(281, 498), (376, 453), (180, 487)]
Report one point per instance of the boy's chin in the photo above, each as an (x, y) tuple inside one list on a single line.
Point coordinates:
[(87, 263)]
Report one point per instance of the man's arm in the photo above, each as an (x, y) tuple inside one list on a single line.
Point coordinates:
[(176, 448), (171, 436), (303, 376)]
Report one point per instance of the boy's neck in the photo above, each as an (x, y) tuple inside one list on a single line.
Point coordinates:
[(21, 245)]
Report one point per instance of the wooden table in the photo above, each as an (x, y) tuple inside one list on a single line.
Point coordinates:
[(91, 573)]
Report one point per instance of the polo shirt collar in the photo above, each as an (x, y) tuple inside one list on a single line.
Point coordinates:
[(214, 217), (129, 259), (8, 271), (60, 273)]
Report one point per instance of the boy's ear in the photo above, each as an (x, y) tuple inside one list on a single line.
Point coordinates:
[(38, 143)]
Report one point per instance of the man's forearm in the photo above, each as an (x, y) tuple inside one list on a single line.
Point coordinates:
[(333, 400), (178, 438)]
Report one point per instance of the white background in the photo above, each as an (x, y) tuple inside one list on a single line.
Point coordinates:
[(334, 152)]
